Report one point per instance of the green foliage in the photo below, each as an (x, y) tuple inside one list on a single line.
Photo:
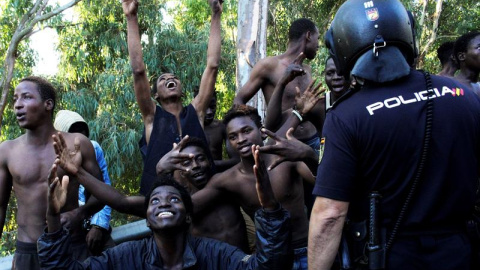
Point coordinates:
[(95, 77)]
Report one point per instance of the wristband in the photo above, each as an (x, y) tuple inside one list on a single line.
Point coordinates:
[(298, 115)]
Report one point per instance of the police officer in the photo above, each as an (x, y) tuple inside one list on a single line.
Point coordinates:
[(386, 135)]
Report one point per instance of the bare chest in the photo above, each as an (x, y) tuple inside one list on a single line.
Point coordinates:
[(30, 165)]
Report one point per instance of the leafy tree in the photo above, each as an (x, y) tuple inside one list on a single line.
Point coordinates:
[(21, 19)]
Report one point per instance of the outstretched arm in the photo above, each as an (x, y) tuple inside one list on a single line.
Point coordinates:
[(207, 84), (140, 79), (173, 160), (264, 188), (290, 149), (326, 224), (5, 185), (273, 118), (207, 196), (57, 196), (304, 103), (105, 193)]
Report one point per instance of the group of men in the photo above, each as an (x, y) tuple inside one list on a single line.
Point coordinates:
[(381, 172), (461, 55)]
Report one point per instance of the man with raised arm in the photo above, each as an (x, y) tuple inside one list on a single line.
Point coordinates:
[(267, 73), (169, 121), (169, 211), (223, 221), (24, 163), (244, 130)]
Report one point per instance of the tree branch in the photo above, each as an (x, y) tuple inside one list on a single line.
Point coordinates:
[(24, 30)]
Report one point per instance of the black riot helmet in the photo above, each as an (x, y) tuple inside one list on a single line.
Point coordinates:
[(369, 25)]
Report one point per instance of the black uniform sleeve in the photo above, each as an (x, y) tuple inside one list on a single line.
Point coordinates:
[(338, 166)]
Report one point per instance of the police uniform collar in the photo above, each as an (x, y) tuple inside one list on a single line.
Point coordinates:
[(389, 64)]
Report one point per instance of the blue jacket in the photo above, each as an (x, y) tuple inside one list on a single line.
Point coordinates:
[(273, 250)]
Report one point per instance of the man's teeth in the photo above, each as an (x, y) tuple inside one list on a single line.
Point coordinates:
[(171, 84), (164, 214)]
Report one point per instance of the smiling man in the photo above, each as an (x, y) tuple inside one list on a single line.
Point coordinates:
[(169, 210), (169, 122), (243, 130), (24, 162), (223, 221)]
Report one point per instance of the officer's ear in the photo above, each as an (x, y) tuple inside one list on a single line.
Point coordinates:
[(461, 56)]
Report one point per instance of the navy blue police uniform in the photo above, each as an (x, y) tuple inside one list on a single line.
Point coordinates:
[(373, 141)]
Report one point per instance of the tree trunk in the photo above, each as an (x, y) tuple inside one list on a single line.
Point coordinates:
[(24, 29), (251, 44), (433, 33)]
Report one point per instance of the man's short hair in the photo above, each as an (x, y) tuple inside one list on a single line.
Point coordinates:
[(461, 44), (154, 89), (45, 88), (445, 51), (167, 180), (195, 141), (299, 27), (196, 89), (239, 110)]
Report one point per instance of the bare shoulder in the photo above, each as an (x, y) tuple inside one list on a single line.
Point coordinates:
[(266, 65), (9, 146), (70, 139), (227, 179)]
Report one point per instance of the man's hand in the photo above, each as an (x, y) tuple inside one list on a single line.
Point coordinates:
[(69, 160), (264, 188), (95, 240), (57, 191), (289, 149), (173, 160), (216, 5), (294, 70), (306, 101), (72, 220), (130, 7)]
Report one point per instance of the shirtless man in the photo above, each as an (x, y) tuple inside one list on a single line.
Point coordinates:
[(316, 115), (223, 221), (243, 131), (217, 137), (169, 122), (447, 59), (24, 163), (266, 74), (467, 54)]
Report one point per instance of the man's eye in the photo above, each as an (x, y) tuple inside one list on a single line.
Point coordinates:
[(154, 201), (174, 199), (186, 163)]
